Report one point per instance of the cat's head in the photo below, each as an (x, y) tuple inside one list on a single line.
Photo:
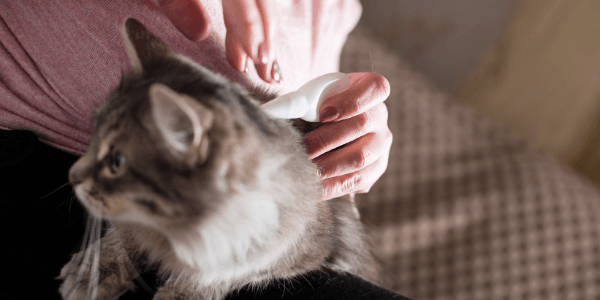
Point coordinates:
[(171, 140)]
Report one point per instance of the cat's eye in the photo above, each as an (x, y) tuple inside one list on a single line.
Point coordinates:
[(117, 161)]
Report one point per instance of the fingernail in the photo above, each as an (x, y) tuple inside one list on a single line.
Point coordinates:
[(329, 114), (276, 72), (262, 54), (246, 66)]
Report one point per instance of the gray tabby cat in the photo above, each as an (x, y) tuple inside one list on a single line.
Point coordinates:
[(200, 183)]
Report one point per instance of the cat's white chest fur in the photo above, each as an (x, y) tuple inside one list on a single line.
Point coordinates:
[(227, 245)]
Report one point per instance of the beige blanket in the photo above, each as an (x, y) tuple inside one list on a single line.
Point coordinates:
[(465, 209)]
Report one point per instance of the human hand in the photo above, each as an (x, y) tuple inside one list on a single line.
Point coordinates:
[(251, 31), (357, 120)]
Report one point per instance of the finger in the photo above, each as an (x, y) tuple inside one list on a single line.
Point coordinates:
[(266, 66), (189, 17), (244, 21), (264, 71), (268, 12), (235, 53), (355, 156), (332, 135), (367, 90), (357, 182)]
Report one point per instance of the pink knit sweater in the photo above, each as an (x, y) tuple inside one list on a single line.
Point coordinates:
[(60, 59)]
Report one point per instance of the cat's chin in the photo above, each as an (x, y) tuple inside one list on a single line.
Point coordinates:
[(99, 206)]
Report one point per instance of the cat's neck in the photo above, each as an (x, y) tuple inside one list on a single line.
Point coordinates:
[(245, 236)]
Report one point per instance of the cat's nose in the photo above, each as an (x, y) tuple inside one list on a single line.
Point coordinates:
[(78, 170), (75, 176)]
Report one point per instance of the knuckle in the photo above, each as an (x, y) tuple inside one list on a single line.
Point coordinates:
[(384, 112), (252, 24), (389, 136), (379, 114), (382, 85), (360, 159), (358, 105), (381, 168), (362, 123), (382, 171), (325, 172)]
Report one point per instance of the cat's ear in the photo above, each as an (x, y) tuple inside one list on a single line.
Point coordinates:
[(142, 46), (182, 121)]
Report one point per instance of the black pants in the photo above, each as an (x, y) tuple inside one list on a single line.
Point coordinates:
[(42, 225)]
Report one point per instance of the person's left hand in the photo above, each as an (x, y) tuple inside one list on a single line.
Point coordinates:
[(357, 120), (251, 31)]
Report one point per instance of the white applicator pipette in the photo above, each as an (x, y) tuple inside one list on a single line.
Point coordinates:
[(306, 101)]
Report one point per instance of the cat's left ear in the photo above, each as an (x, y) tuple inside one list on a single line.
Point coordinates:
[(143, 46), (183, 122)]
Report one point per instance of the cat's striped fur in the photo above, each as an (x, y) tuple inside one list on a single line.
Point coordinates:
[(198, 182)]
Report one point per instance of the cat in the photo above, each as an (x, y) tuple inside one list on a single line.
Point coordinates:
[(197, 181)]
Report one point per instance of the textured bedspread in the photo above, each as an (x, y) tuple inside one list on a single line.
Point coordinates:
[(467, 210)]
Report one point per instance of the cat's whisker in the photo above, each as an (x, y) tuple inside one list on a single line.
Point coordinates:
[(138, 277), (79, 259), (73, 200), (307, 281), (84, 243), (84, 256), (68, 199), (95, 270), (283, 293), (56, 190)]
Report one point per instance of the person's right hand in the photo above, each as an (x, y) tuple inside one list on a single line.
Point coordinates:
[(251, 31), (352, 146)]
